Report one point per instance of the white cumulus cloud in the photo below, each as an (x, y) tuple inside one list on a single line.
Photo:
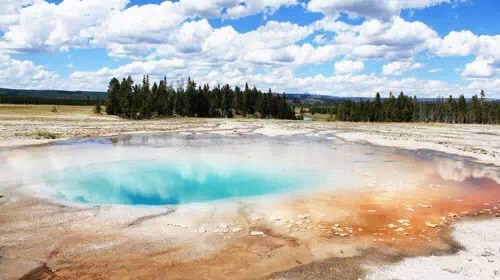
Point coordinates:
[(397, 68), (176, 39), (348, 66), (384, 9), (396, 39), (251, 7), (47, 26), (25, 74), (481, 68)]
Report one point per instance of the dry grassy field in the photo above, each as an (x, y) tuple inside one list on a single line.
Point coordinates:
[(34, 124), (44, 110)]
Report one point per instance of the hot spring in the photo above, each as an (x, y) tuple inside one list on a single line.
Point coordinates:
[(173, 168), (160, 182)]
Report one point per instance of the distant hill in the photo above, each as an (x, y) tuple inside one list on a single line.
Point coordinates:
[(319, 100), (54, 94)]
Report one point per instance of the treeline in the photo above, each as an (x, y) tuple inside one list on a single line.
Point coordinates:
[(142, 101), (21, 99), (322, 109), (406, 109)]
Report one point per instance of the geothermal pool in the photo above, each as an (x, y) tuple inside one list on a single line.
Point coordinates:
[(183, 168), (187, 202), (160, 182)]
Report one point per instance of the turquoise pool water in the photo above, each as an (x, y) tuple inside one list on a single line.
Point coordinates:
[(172, 168), (157, 182)]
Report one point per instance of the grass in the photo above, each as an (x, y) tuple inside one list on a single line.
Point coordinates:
[(45, 135), (33, 110), (320, 117)]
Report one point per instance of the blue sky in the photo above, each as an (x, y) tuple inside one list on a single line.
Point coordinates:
[(335, 47)]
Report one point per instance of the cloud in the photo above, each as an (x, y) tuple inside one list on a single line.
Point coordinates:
[(135, 31), (44, 26), (465, 43), (251, 7), (320, 39), (9, 12), (396, 39), (490, 86), (98, 80), (280, 79), (196, 8), (136, 68), (25, 74), (284, 80), (348, 67), (190, 36), (272, 43), (481, 68), (220, 40), (382, 9), (139, 32), (397, 68), (458, 43), (39, 26), (176, 39)]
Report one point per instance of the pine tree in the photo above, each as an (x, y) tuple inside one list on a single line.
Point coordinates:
[(227, 101), (415, 107), (462, 109), (246, 100), (142, 101), (153, 100), (125, 96), (482, 109), (98, 108), (145, 99), (204, 104), (253, 97), (475, 110), (162, 98), (112, 103), (191, 98), (216, 102), (171, 97), (180, 100), (238, 101), (377, 109), (135, 102), (389, 107), (272, 104)]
